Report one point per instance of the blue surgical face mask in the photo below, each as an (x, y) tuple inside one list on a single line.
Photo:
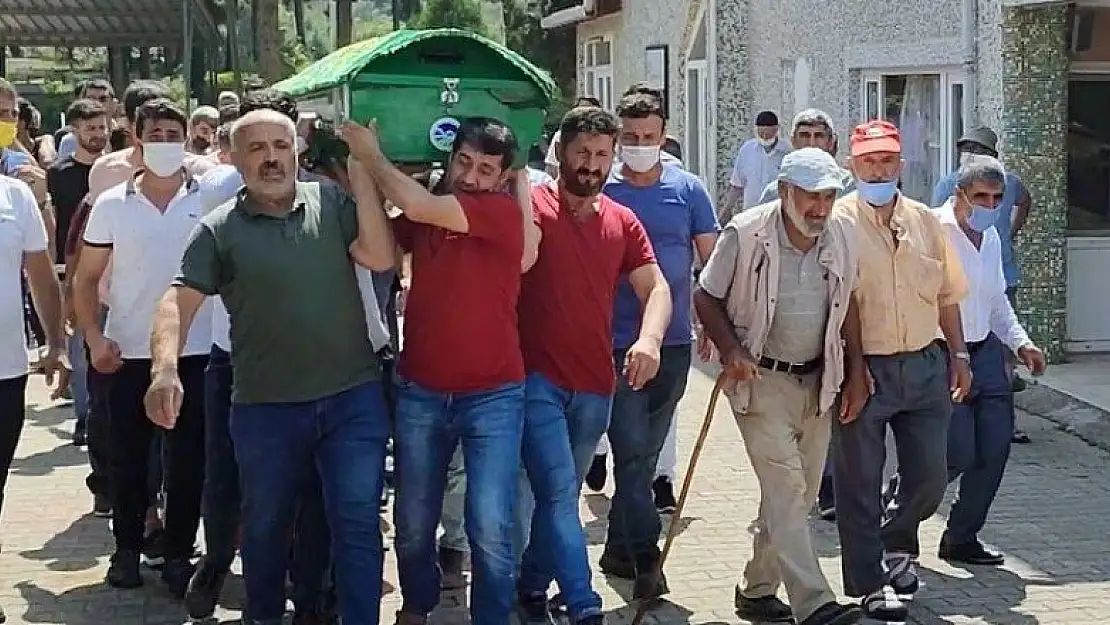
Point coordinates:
[(877, 193), (981, 217)]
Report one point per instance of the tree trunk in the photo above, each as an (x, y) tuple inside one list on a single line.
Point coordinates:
[(344, 23), (269, 40), (298, 21), (144, 62), (256, 50)]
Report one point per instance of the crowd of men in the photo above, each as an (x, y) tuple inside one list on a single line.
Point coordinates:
[(229, 310)]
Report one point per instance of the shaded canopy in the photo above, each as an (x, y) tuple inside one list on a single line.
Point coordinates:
[(97, 23)]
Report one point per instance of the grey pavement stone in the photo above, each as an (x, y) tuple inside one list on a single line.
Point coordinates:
[(1071, 414), (1049, 520)]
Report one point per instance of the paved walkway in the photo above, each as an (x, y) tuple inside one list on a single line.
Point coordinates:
[(1049, 520)]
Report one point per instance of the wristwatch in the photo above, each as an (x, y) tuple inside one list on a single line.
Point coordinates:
[(964, 356)]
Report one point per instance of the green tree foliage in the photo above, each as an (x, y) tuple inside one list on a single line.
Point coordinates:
[(465, 14), (553, 50)]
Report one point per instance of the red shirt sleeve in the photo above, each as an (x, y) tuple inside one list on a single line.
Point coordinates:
[(637, 246), (492, 217), (76, 228), (403, 232)]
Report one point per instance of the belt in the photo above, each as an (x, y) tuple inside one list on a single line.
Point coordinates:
[(790, 367)]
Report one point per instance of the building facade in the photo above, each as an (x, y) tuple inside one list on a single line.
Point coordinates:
[(1036, 72)]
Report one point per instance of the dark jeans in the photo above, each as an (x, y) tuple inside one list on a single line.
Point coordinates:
[(340, 439), (222, 501), (221, 472), (637, 431), (429, 427), (13, 411), (979, 441), (561, 432), (131, 433), (99, 480), (912, 398)]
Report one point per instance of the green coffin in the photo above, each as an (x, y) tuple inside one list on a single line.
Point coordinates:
[(418, 84)]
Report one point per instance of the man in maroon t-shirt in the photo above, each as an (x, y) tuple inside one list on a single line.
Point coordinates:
[(460, 373), (589, 243)]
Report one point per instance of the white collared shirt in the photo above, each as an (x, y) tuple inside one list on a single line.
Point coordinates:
[(755, 167), (986, 308), (147, 246), (21, 232)]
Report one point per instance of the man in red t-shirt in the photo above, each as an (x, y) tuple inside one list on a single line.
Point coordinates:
[(460, 373), (589, 243)]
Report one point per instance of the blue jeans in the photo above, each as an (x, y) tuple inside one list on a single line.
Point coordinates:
[(79, 379), (561, 432), (280, 447), (637, 432), (979, 440), (428, 428)]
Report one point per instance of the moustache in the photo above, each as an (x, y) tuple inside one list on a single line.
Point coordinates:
[(271, 167), (587, 172)]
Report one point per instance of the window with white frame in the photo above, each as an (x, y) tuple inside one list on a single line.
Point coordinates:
[(597, 54), (930, 109)]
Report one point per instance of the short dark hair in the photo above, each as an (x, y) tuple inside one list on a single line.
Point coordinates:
[(139, 93), (589, 100), (229, 113), (119, 139), (158, 110), (269, 99), (27, 112), (644, 88), (96, 83), (588, 120), (673, 147), (488, 136), (82, 110), (641, 105)]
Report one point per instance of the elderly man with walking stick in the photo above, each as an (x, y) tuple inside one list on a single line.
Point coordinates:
[(776, 299)]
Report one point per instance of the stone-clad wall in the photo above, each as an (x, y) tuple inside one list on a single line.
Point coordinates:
[(734, 94), (1034, 131)]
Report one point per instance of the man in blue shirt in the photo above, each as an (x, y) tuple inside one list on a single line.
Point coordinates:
[(678, 215), (1012, 213)]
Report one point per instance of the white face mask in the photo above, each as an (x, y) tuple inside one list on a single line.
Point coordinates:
[(163, 159), (640, 158), (766, 142)]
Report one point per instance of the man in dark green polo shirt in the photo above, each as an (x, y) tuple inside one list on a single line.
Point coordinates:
[(308, 393)]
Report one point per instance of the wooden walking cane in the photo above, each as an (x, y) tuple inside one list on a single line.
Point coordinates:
[(676, 516)]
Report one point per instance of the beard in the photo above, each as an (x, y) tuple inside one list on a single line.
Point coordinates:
[(809, 227), (582, 182), (200, 144)]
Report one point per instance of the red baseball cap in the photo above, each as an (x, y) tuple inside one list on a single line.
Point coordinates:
[(875, 136)]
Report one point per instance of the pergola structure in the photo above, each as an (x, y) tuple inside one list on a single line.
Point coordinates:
[(191, 24)]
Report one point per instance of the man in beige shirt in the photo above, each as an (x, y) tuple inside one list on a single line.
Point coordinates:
[(910, 281), (774, 297)]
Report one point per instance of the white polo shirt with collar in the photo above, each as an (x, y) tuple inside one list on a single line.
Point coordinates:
[(147, 245), (986, 308), (21, 232)]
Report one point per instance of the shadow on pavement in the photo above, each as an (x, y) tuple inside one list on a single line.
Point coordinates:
[(46, 462), (597, 528), (99, 604), (76, 548)]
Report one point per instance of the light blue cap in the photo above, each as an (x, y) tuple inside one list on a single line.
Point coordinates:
[(812, 169)]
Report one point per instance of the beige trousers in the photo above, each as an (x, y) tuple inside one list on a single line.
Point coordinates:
[(787, 443)]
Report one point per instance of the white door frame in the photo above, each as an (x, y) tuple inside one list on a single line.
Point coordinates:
[(949, 76), (705, 148), (708, 69)]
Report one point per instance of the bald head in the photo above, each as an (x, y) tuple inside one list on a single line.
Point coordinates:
[(263, 148)]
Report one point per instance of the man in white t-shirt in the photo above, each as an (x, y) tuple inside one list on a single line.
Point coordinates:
[(756, 165), (23, 244), (144, 225)]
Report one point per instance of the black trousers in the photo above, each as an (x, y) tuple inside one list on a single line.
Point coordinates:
[(13, 411), (130, 434)]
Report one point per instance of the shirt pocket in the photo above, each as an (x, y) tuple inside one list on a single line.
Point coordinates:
[(928, 275)]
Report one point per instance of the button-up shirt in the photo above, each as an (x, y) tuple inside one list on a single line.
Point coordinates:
[(986, 308), (755, 167), (907, 272)]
